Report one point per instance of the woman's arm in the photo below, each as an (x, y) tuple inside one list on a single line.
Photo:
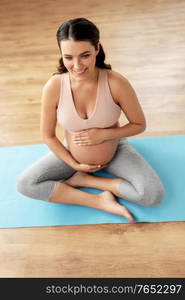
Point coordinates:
[(125, 96), (48, 120)]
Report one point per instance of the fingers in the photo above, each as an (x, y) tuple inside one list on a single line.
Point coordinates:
[(104, 166), (90, 168), (82, 143), (78, 136), (94, 167), (81, 138), (97, 167)]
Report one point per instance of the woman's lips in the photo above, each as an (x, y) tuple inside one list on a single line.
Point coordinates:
[(80, 72)]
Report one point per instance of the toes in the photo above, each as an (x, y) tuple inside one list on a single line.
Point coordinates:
[(131, 220), (129, 217)]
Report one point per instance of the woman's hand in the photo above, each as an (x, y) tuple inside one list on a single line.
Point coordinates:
[(89, 137), (89, 168)]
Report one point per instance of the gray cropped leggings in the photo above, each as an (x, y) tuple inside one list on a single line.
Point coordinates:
[(140, 183)]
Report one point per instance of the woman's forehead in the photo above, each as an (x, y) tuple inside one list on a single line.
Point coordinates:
[(72, 47)]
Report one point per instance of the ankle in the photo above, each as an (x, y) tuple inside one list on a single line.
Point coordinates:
[(116, 186)]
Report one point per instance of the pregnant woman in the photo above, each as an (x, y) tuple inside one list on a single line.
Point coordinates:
[(86, 98)]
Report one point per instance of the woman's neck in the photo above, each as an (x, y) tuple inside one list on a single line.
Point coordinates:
[(89, 80)]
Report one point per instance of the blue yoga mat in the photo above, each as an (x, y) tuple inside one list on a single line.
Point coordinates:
[(165, 154)]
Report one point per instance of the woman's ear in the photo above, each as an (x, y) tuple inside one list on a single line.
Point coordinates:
[(98, 48)]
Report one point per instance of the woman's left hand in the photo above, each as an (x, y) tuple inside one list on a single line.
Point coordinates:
[(89, 137)]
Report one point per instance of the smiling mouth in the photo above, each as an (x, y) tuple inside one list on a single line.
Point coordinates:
[(81, 72)]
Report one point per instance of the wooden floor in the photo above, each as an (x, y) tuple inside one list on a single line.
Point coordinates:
[(144, 40)]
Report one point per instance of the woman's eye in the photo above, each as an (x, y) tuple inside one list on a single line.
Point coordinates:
[(83, 56), (86, 55)]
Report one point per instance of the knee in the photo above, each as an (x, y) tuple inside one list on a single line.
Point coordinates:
[(22, 185), (29, 186), (153, 197)]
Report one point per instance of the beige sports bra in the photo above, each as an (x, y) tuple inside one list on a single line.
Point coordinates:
[(105, 113)]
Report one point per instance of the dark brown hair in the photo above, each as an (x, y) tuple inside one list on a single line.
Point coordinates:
[(81, 29)]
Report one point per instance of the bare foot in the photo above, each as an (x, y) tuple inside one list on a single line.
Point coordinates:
[(109, 204), (77, 179), (80, 179)]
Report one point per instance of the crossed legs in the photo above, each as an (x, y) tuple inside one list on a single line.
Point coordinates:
[(136, 182), (45, 180)]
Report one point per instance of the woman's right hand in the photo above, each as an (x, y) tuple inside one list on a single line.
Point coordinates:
[(89, 168)]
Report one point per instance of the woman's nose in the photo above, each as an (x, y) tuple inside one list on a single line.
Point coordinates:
[(77, 64)]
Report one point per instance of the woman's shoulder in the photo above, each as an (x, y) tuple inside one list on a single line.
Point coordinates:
[(116, 77), (117, 83), (52, 88), (53, 82)]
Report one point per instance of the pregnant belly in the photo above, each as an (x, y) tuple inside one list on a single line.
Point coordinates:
[(94, 154)]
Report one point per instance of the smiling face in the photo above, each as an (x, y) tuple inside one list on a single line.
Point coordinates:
[(79, 57)]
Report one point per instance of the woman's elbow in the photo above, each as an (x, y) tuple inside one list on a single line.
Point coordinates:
[(141, 128), (143, 125)]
